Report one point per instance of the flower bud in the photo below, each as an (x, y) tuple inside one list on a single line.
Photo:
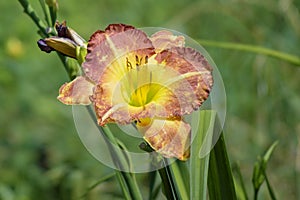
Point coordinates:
[(66, 32), (43, 46), (67, 42), (62, 45)]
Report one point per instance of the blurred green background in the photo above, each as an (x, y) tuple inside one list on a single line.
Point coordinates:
[(41, 156)]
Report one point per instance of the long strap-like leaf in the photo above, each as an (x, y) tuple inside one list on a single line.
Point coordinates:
[(220, 179)]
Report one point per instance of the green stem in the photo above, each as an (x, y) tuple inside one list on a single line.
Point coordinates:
[(31, 13), (241, 180), (170, 175), (105, 178), (53, 14), (45, 11), (119, 160), (123, 185), (168, 182), (255, 194), (293, 59), (271, 192)]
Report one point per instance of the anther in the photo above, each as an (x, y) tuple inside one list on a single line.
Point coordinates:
[(137, 60), (128, 64)]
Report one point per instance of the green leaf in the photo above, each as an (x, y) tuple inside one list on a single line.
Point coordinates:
[(259, 171), (199, 166), (168, 183), (123, 185), (258, 175), (152, 179), (220, 179), (269, 152), (46, 12), (239, 184), (178, 178)]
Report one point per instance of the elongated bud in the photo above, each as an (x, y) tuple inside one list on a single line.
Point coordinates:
[(66, 32), (43, 46), (77, 38), (62, 45), (67, 42)]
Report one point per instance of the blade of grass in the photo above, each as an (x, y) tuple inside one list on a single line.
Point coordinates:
[(180, 185), (184, 170), (243, 191), (259, 171), (220, 179), (123, 185), (270, 189), (152, 179), (103, 179), (199, 166)]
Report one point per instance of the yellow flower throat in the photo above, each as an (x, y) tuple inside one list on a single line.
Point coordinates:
[(138, 86)]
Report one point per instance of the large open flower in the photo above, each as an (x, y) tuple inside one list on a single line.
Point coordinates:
[(151, 81)]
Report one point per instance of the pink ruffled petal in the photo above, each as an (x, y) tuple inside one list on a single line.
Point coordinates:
[(170, 137), (106, 46), (162, 40), (76, 92), (191, 91)]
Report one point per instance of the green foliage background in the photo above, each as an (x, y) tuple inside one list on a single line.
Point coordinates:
[(41, 156)]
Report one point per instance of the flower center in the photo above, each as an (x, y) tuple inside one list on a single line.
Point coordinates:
[(138, 88), (144, 94)]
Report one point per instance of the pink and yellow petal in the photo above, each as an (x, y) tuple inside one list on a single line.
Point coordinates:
[(116, 41), (76, 92), (164, 39), (110, 106), (194, 80), (170, 137)]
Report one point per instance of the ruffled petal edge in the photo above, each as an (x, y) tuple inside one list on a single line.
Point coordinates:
[(76, 92)]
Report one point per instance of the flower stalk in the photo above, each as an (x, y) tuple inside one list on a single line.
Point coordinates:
[(293, 59), (35, 18)]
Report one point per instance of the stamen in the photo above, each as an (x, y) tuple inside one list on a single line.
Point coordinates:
[(141, 60), (146, 59), (128, 64), (150, 78), (142, 99), (137, 63)]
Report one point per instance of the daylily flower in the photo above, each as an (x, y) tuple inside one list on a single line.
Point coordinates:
[(151, 81)]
